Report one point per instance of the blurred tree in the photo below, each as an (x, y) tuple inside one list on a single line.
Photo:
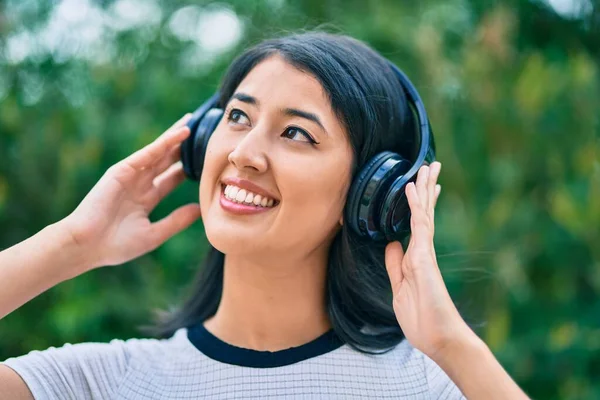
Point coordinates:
[(512, 89)]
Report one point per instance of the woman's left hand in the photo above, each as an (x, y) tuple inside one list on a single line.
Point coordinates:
[(421, 302)]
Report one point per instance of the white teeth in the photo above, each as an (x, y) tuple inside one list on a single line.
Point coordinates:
[(236, 194), (241, 196)]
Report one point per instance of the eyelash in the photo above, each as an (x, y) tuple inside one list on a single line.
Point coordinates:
[(232, 111)]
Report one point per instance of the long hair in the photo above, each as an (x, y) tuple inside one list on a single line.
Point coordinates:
[(368, 99)]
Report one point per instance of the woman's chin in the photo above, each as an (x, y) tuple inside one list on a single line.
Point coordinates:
[(229, 241)]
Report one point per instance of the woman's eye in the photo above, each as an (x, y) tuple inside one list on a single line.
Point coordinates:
[(238, 117), (293, 132)]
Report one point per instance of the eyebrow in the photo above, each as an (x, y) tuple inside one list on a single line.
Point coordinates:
[(292, 112), (245, 98)]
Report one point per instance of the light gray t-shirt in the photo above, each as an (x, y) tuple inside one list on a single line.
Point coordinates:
[(194, 364)]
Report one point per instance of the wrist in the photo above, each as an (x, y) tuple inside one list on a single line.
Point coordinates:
[(467, 344), (73, 255), (471, 365)]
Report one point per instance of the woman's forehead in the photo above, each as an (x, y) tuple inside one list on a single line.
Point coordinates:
[(276, 83), (275, 79)]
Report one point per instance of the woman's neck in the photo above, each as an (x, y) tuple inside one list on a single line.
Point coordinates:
[(271, 305)]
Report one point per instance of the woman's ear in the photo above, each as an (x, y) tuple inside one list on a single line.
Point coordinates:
[(342, 220)]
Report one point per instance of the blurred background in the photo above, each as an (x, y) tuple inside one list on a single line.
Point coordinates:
[(512, 90)]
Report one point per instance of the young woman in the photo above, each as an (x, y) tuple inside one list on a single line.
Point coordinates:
[(291, 302)]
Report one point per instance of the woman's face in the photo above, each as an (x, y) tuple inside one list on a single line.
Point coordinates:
[(266, 137)]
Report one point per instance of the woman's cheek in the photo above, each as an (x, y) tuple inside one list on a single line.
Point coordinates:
[(208, 181)]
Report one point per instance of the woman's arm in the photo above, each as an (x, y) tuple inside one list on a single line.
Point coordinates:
[(425, 310), (12, 386), (109, 227), (473, 368), (26, 270), (37, 264)]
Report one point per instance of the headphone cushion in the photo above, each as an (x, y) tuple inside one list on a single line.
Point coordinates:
[(186, 151), (395, 210), (187, 147), (206, 127)]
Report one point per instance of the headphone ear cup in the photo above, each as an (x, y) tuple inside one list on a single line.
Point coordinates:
[(193, 148), (206, 127), (187, 147), (371, 186), (395, 210), (186, 151), (357, 197)]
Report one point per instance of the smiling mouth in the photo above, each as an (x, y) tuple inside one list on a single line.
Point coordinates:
[(248, 204)]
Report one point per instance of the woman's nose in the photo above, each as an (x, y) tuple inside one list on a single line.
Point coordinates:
[(249, 153)]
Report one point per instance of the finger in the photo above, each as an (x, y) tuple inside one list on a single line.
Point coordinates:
[(412, 197), (181, 122), (434, 172), (171, 157), (419, 221), (394, 253), (166, 182), (176, 126), (414, 204), (148, 155), (436, 194), (174, 223), (438, 189), (422, 185)]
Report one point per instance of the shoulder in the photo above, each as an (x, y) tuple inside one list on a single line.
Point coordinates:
[(89, 370), (406, 369)]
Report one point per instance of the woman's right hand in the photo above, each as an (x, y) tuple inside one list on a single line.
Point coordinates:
[(111, 225)]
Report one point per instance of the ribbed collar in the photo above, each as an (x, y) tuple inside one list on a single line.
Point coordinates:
[(218, 350)]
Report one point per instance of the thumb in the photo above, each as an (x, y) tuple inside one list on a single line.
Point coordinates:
[(393, 263), (175, 222)]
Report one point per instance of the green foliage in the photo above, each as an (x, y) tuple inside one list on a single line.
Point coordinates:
[(512, 90)]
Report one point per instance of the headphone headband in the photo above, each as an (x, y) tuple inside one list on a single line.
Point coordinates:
[(395, 212), (425, 134)]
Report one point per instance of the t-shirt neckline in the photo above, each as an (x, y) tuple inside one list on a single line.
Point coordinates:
[(213, 347)]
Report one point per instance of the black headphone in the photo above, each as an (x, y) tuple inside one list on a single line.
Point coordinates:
[(376, 206)]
